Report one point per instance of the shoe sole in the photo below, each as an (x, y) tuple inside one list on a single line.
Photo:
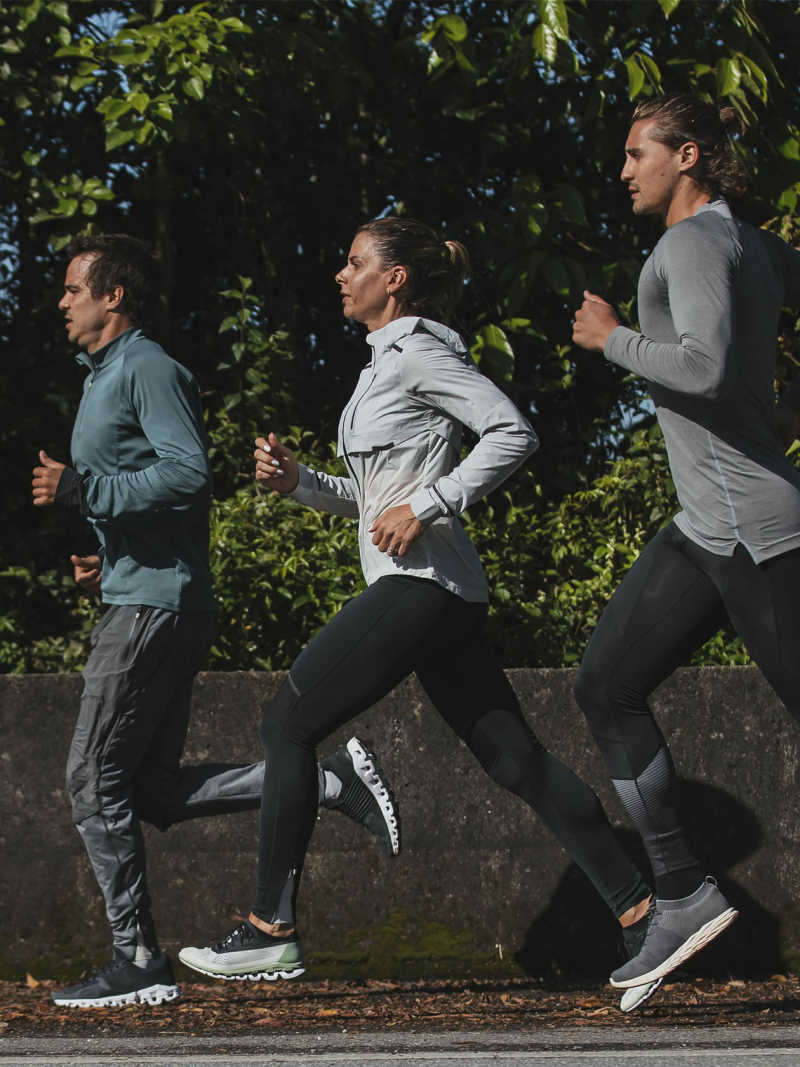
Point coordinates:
[(250, 976), (154, 994), (713, 928), (369, 771), (636, 996)]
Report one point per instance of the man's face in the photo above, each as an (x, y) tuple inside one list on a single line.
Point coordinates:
[(87, 316), (651, 170)]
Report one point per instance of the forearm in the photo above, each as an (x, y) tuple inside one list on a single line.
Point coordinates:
[(326, 492), (501, 451), (684, 368), (506, 438), (687, 304), (167, 483)]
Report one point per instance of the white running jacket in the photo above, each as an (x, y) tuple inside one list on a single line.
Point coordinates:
[(400, 437)]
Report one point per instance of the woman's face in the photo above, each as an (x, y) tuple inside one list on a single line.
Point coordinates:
[(368, 289)]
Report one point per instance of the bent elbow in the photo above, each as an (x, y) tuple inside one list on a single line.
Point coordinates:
[(194, 478), (710, 375), (713, 392), (532, 442), (712, 386)]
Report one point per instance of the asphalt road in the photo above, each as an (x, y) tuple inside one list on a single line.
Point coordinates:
[(694, 1022), (669, 1046)]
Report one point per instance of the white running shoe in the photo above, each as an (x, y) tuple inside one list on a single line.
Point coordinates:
[(636, 996), (247, 954)]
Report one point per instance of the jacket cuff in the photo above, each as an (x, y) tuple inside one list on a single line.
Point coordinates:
[(426, 506), (614, 348), (306, 481), (71, 492)]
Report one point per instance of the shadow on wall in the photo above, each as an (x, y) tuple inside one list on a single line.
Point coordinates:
[(566, 942)]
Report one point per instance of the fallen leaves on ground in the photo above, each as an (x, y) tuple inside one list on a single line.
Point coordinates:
[(234, 1009)]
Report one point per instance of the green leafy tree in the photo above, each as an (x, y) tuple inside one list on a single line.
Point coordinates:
[(248, 140)]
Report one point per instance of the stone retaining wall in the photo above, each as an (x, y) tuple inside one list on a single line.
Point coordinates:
[(480, 887)]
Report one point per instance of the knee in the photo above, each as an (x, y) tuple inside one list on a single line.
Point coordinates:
[(81, 781), (505, 748), (268, 733), (600, 694), (590, 688), (617, 712), (511, 771), (275, 713), (283, 721)]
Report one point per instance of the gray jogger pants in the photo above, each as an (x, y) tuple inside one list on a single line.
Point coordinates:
[(124, 761)]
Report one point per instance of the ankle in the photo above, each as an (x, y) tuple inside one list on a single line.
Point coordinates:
[(677, 885), (273, 929), (637, 912)]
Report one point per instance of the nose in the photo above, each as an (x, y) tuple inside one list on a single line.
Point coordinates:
[(626, 173), (62, 304), (339, 276)]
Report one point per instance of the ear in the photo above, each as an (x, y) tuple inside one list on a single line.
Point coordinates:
[(398, 276), (115, 297), (689, 156)]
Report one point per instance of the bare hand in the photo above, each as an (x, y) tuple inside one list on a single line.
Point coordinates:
[(276, 467), (45, 480), (394, 530), (594, 320), (88, 571)]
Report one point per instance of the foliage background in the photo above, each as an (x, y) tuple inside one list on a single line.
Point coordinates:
[(247, 140)]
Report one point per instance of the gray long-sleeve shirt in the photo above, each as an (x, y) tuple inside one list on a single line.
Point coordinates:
[(709, 299), (400, 436)]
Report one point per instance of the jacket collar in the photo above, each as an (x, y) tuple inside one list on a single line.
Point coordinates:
[(101, 357), (389, 335)]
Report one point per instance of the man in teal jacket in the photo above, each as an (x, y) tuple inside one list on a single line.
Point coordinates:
[(141, 476)]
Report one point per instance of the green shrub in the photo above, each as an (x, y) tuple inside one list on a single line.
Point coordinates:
[(553, 567), (281, 570), (46, 621)]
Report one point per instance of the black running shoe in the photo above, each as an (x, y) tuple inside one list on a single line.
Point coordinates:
[(247, 953), (122, 982), (365, 796)]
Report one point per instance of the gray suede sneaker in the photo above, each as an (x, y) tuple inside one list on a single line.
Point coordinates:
[(677, 929)]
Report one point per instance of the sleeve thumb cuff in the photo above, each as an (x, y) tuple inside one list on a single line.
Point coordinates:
[(70, 492)]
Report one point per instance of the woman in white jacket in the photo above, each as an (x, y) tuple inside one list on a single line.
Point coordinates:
[(425, 605)]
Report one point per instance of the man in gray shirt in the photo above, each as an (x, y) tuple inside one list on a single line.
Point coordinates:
[(709, 299)]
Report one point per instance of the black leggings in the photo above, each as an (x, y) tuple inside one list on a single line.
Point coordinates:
[(396, 626), (673, 599)]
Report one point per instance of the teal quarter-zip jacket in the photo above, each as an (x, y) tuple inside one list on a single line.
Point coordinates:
[(139, 447)]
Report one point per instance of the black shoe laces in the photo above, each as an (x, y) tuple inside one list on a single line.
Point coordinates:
[(241, 935)]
